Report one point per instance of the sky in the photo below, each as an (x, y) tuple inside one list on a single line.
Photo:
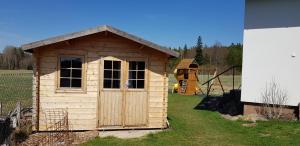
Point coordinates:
[(169, 23)]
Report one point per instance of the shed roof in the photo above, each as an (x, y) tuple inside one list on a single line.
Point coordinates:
[(30, 46), (185, 63)]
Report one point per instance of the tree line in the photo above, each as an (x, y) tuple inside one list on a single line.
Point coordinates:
[(216, 56), (15, 58)]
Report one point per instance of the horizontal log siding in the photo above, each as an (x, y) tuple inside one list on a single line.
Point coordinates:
[(82, 106), (157, 97)]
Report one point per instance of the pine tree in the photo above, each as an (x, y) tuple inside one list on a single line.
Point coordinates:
[(185, 51), (199, 55), (206, 59), (235, 55), (180, 52)]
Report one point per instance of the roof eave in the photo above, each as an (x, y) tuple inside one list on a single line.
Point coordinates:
[(30, 46)]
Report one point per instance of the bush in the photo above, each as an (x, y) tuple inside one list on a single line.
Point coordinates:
[(274, 100)]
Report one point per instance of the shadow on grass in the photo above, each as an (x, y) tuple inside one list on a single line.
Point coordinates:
[(229, 103)]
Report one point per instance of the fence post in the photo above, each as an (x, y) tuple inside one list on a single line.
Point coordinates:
[(18, 113), (1, 108), (233, 74)]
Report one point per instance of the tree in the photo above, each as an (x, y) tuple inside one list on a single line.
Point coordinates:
[(15, 58), (206, 59), (235, 55), (215, 53), (199, 55), (173, 61), (10, 57), (185, 51), (180, 52)]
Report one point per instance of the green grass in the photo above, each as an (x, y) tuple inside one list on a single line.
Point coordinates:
[(198, 127), (226, 81), (188, 126), (15, 85)]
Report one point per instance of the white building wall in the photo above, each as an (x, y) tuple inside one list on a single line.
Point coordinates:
[(271, 38)]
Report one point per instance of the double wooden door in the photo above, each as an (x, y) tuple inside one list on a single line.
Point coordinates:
[(123, 100)]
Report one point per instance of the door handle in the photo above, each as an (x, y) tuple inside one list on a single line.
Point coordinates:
[(127, 84)]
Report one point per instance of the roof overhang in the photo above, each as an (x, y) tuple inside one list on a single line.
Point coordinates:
[(185, 63), (30, 46)]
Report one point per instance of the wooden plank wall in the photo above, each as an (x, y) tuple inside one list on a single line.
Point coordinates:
[(136, 108), (34, 117), (112, 107), (83, 106), (158, 93)]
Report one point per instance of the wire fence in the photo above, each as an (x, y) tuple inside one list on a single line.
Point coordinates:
[(15, 86), (226, 80)]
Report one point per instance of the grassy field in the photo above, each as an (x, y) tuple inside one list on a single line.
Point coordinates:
[(188, 125), (198, 127), (226, 81), (15, 85)]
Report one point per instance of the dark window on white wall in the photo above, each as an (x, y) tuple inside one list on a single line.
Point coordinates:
[(112, 74), (70, 72), (136, 74)]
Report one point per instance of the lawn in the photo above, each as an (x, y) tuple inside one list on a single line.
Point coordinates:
[(15, 85), (226, 81), (188, 125), (198, 127)]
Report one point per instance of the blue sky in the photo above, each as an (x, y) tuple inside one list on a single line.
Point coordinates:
[(166, 22)]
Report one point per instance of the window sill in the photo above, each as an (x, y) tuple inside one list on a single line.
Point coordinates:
[(111, 89), (68, 90)]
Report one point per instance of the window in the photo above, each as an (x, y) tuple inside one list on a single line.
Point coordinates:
[(136, 74), (70, 72), (186, 74), (112, 74)]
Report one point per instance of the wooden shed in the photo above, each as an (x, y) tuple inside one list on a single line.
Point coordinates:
[(186, 74), (103, 77)]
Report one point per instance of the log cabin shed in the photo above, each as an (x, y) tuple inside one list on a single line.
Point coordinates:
[(105, 78), (186, 74)]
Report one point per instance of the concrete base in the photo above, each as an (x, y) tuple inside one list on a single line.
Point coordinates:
[(289, 112), (125, 134)]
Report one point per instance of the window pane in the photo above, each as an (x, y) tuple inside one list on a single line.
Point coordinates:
[(132, 74), (76, 83), (76, 73), (140, 84), (141, 75), (186, 74), (116, 74), (64, 82), (116, 83), (107, 84), (107, 64), (65, 72), (76, 63), (117, 64), (107, 74), (65, 62), (132, 84), (141, 65), (132, 65)]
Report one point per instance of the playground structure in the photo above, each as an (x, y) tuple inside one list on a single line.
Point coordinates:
[(186, 74), (194, 79), (216, 76)]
